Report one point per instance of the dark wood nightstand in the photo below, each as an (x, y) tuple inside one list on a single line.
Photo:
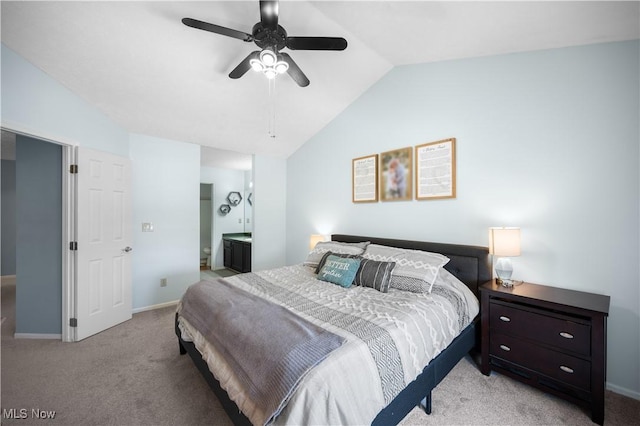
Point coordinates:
[(551, 338)]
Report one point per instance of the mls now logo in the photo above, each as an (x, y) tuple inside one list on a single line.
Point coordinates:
[(23, 413)]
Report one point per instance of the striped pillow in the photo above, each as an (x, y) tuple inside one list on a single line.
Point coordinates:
[(374, 274)]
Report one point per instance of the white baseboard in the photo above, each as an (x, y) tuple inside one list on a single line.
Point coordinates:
[(623, 391), (152, 307), (37, 336), (8, 279)]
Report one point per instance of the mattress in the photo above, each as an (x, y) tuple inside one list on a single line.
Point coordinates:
[(389, 339)]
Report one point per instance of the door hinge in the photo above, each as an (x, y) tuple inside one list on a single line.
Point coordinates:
[(73, 245), (73, 169), (73, 322)]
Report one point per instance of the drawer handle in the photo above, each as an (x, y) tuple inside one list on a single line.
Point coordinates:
[(566, 369), (505, 319), (507, 348), (566, 335)]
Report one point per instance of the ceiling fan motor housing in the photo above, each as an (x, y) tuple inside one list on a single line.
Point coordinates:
[(266, 37)]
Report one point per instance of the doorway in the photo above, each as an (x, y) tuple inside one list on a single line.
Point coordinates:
[(32, 235), (47, 299), (206, 226)]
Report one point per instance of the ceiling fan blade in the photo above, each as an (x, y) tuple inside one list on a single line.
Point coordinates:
[(295, 72), (316, 43), (269, 14), (194, 23), (244, 66)]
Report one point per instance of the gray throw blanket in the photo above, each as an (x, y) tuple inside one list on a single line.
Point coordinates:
[(269, 347)]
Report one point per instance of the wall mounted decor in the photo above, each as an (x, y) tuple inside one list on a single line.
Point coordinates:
[(249, 198), (396, 175), (224, 209), (436, 170), (364, 179), (234, 198)]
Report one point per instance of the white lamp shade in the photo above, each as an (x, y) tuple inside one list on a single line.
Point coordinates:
[(504, 241), (315, 239)]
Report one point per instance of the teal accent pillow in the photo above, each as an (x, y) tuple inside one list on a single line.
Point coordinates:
[(339, 270)]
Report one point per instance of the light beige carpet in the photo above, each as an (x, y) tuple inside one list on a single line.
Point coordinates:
[(132, 374)]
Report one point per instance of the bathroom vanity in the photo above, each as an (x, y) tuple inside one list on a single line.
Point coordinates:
[(237, 251)]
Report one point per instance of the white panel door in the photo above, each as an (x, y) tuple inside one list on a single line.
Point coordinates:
[(103, 280)]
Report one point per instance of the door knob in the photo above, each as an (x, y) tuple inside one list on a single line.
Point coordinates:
[(127, 249)]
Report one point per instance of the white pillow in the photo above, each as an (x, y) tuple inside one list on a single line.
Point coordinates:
[(415, 270), (314, 257)]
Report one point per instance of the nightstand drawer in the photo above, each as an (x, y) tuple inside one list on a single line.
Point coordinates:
[(550, 330), (557, 365)]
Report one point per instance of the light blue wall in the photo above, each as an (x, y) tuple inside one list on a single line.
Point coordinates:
[(8, 218), (166, 192), (224, 181), (39, 233), (269, 212), (547, 140), (35, 104)]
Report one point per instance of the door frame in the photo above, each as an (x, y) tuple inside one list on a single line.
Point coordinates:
[(68, 225), (69, 267)]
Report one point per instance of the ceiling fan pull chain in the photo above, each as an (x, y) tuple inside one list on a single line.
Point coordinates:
[(272, 108)]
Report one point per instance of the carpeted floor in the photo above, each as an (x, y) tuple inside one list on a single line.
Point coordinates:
[(132, 374)]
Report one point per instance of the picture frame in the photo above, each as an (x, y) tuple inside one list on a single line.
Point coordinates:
[(396, 171), (436, 170), (364, 179)]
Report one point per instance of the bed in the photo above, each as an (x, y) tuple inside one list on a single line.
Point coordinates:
[(312, 398)]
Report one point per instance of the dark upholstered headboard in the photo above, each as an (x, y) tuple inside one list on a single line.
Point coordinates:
[(470, 264)]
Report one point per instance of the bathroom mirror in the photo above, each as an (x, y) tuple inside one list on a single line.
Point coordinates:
[(248, 201)]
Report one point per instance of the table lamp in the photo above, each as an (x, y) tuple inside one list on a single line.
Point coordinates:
[(315, 239), (504, 243)]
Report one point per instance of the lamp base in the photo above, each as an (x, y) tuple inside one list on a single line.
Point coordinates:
[(505, 282), (504, 269)]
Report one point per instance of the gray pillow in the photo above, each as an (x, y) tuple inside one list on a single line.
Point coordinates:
[(374, 274), (415, 270), (314, 257)]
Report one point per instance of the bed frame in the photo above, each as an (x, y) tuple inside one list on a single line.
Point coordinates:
[(470, 264)]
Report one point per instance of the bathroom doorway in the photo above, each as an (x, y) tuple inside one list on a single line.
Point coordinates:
[(206, 226)]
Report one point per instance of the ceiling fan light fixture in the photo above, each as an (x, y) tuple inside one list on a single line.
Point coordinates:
[(270, 73), (268, 57), (256, 65), (281, 67)]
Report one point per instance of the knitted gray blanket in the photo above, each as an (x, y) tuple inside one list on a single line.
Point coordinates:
[(269, 347)]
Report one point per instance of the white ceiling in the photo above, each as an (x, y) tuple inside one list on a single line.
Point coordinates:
[(139, 65)]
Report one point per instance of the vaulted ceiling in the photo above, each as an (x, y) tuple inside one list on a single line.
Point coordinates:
[(139, 65)]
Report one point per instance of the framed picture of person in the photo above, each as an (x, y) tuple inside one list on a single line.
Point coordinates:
[(396, 171), (436, 170)]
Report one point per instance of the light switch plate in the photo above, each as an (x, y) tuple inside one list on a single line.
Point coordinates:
[(147, 227)]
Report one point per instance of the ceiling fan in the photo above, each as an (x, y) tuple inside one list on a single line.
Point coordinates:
[(271, 38)]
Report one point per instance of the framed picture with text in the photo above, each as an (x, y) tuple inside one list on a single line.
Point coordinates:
[(364, 179), (436, 170)]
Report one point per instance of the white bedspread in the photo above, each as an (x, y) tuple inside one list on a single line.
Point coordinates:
[(390, 338)]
